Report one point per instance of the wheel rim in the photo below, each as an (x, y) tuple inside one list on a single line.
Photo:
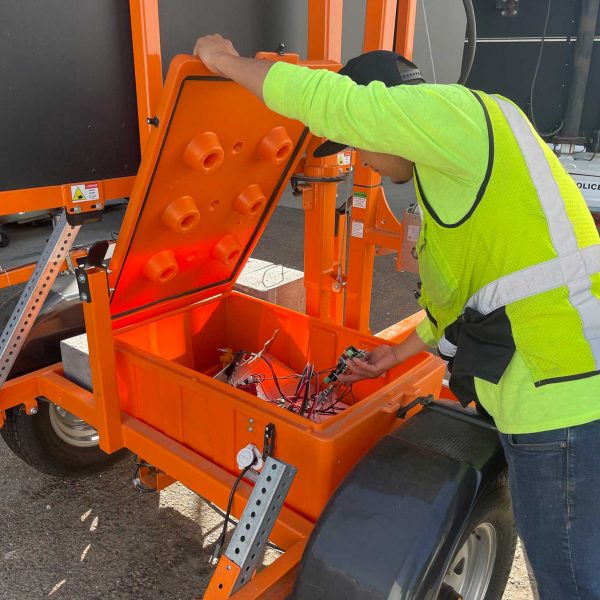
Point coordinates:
[(472, 566), (71, 429)]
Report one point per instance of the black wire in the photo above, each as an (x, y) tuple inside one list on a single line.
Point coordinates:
[(221, 539), (469, 54), (309, 377), (595, 149), (535, 74), (232, 520), (299, 386), (139, 485), (275, 378)]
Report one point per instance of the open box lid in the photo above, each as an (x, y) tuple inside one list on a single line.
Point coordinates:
[(211, 174)]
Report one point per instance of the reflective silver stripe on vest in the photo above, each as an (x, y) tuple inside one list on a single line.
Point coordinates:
[(537, 279), (446, 347), (573, 266)]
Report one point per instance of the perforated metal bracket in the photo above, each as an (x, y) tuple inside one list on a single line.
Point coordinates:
[(251, 535), (34, 294)]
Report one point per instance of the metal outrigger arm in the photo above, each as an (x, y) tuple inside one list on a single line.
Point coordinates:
[(35, 293)]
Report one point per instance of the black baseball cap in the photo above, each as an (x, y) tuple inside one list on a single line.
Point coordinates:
[(379, 65)]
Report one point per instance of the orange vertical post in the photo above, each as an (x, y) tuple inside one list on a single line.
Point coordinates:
[(405, 27), (145, 35), (325, 29), (319, 202), (324, 299), (361, 254), (98, 326), (380, 22)]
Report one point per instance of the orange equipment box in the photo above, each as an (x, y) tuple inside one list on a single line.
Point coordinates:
[(210, 178), (165, 370)]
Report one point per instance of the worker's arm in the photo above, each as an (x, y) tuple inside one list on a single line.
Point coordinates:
[(438, 126), (382, 359), (219, 55)]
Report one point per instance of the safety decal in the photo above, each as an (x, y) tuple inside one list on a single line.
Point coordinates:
[(84, 192), (413, 233), (358, 229), (359, 200), (344, 158)]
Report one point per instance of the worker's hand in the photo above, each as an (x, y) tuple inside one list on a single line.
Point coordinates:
[(377, 362), (210, 48)]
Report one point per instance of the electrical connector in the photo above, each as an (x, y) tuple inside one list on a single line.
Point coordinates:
[(216, 553), (249, 456)]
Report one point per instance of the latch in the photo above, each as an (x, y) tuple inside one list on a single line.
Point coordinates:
[(94, 259)]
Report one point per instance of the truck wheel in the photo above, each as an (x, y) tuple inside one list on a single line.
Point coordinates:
[(4, 239), (480, 567), (55, 442)]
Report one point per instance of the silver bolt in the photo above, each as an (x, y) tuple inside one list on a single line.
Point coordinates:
[(228, 567), (77, 209), (81, 278), (99, 205), (250, 428), (250, 420), (33, 410), (84, 297)]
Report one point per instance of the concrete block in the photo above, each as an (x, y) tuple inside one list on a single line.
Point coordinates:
[(259, 278), (76, 360), (273, 283)]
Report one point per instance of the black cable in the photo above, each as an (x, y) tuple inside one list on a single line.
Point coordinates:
[(347, 391), (139, 485), (232, 520), (275, 378), (299, 386), (309, 377), (221, 540), (535, 74), (595, 149), (469, 54)]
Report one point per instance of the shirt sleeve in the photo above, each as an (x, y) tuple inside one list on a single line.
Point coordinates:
[(441, 127), (426, 333)]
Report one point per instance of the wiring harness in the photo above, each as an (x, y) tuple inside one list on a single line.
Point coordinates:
[(313, 394)]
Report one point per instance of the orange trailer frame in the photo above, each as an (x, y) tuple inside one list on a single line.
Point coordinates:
[(326, 281)]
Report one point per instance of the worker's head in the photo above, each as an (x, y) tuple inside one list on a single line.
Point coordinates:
[(392, 69)]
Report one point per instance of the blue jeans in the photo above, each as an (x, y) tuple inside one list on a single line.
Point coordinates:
[(555, 486)]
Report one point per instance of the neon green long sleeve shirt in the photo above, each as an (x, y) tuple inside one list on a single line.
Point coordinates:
[(442, 129)]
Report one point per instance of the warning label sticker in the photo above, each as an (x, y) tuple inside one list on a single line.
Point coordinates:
[(413, 233), (359, 200), (84, 192), (358, 229), (344, 158)]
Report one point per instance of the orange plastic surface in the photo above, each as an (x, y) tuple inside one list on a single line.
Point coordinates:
[(165, 371), (210, 176)]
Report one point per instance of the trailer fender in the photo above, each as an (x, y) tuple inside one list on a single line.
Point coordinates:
[(392, 526)]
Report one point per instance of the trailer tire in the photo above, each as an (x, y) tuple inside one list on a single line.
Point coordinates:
[(35, 440), (481, 564), (4, 239)]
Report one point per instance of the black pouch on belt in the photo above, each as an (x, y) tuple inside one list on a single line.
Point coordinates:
[(485, 347)]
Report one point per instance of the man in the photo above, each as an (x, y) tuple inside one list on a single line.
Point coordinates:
[(509, 259)]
